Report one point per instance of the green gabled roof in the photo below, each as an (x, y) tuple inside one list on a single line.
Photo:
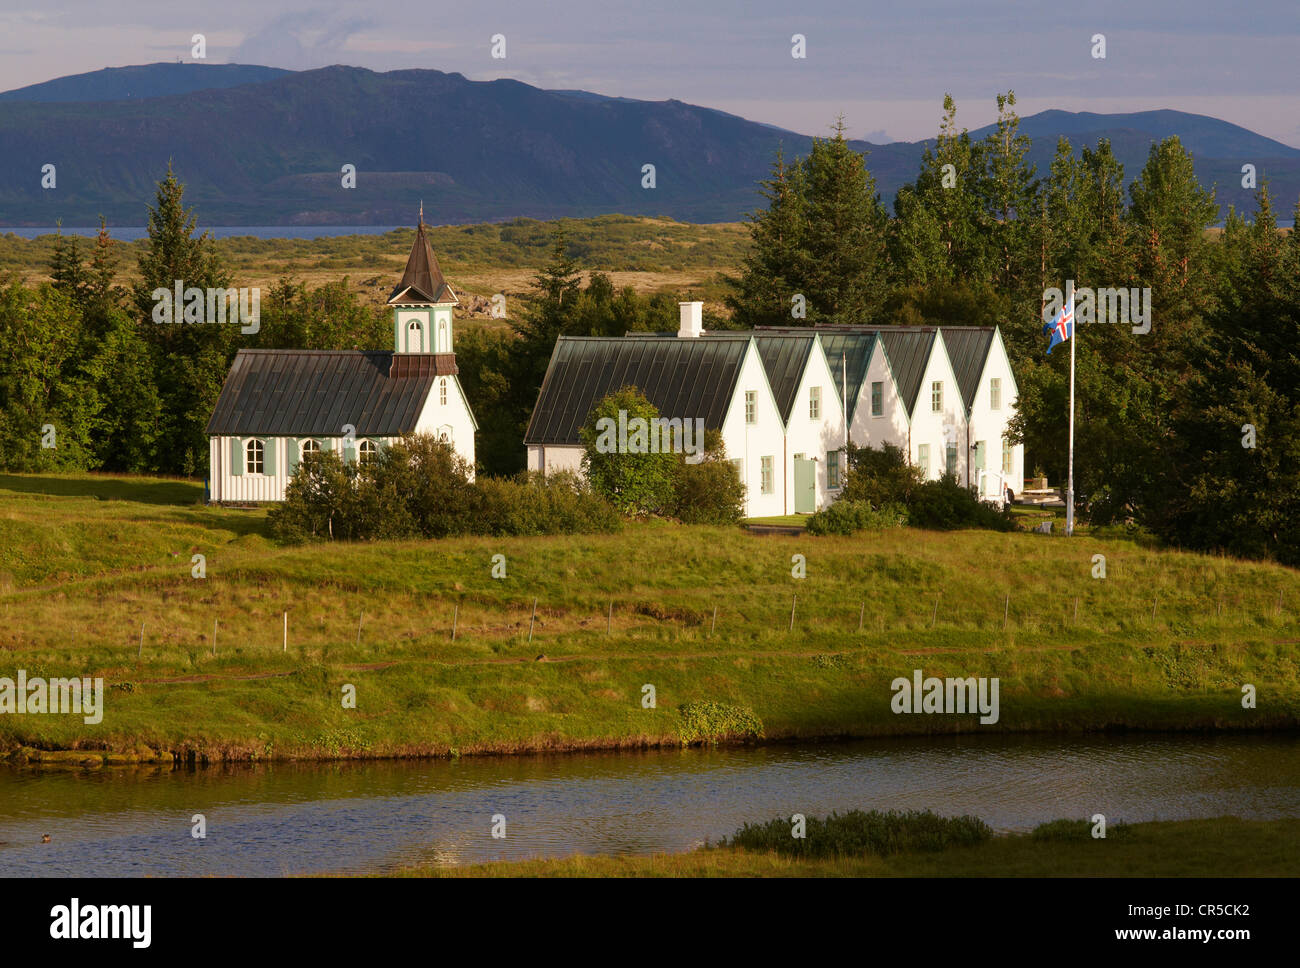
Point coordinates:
[(968, 350), (784, 359), (908, 351), (683, 378)]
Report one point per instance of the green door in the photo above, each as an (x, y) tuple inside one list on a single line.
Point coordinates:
[(805, 486)]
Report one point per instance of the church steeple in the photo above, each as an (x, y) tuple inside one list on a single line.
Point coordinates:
[(422, 302)]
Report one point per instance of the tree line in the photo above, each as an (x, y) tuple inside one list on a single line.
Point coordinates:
[(1190, 430)]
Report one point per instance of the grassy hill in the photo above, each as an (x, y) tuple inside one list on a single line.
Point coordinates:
[(1164, 642)]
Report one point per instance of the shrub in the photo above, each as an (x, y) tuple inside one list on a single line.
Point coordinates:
[(858, 832), (535, 504), (880, 477), (712, 721), (1075, 831), (634, 483), (849, 517), (944, 504), (420, 487), (709, 491)]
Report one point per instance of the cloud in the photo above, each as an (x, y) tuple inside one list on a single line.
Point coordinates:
[(300, 41)]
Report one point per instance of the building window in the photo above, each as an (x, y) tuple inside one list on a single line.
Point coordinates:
[(368, 451), (833, 469), (1007, 455), (936, 396), (951, 462), (995, 393), (443, 346), (414, 337), (310, 447), (814, 403), (766, 479), (751, 406), (877, 399), (923, 459), (442, 391), (255, 457), (739, 464)]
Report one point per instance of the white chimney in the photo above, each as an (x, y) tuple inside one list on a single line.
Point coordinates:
[(692, 319)]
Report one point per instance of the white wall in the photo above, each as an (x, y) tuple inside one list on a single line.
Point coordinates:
[(751, 442), (814, 438), (454, 418), (250, 488), (988, 425), (937, 429), (549, 458), (892, 425)]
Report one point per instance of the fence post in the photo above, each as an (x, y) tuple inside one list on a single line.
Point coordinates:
[(532, 620), (286, 632), (1006, 611), (793, 602), (455, 618)]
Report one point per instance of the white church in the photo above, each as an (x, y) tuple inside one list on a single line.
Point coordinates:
[(277, 405)]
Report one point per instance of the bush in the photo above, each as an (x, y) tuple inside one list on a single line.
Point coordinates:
[(884, 477), (634, 480), (849, 517), (533, 504), (710, 491), (1075, 831), (712, 721), (858, 832), (944, 504), (420, 487)]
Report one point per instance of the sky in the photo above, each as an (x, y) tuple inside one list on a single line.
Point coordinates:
[(884, 65)]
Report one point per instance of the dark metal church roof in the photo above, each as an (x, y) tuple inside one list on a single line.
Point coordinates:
[(310, 393), (684, 378)]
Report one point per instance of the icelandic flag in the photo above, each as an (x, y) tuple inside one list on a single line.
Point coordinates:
[(1061, 327)]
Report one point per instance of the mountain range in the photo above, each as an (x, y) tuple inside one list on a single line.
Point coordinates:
[(264, 146)]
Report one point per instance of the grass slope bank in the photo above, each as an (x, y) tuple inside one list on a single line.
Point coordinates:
[(1165, 641), (1224, 847)]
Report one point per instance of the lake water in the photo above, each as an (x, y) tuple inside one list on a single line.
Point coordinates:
[(130, 233), (353, 817)]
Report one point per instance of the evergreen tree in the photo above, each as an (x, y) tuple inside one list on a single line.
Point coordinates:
[(763, 293), (190, 361), (842, 265)]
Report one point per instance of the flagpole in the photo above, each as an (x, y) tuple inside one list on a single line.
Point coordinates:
[(1069, 484)]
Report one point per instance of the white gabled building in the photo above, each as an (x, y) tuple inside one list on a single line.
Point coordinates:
[(719, 380), (276, 405), (782, 397)]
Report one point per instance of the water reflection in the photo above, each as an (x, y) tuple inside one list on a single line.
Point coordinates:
[(355, 817)]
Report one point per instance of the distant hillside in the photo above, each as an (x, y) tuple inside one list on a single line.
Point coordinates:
[(142, 81), (270, 151)]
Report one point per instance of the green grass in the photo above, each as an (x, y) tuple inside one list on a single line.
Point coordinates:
[(85, 561), (1224, 847), (797, 520)]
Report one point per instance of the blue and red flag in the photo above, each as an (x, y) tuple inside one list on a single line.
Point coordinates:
[(1061, 327)]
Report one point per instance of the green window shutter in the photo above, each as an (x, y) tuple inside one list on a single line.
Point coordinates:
[(349, 451), (236, 457), (293, 450), (268, 458), (979, 455)]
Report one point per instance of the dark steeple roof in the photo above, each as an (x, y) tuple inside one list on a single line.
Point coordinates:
[(422, 282)]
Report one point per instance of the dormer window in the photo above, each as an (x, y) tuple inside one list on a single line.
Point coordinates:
[(442, 337)]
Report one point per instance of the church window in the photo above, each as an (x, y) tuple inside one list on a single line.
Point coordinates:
[(255, 454)]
